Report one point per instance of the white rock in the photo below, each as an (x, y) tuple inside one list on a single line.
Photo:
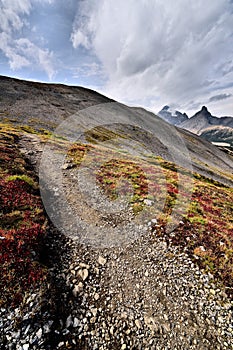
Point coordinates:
[(69, 321), (154, 221), (148, 202), (93, 320), (83, 274), (94, 312), (46, 328), (39, 333), (138, 324), (26, 346), (65, 166), (84, 265), (96, 296), (102, 261), (76, 322)]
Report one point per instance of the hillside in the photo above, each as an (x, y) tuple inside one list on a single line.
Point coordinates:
[(116, 228), (221, 134), (42, 105)]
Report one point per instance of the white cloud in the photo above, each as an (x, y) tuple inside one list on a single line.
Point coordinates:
[(41, 57), (88, 70), (16, 61), (20, 51), (78, 38), (11, 12), (159, 51)]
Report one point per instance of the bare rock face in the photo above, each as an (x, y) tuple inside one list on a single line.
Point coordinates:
[(199, 122), (172, 117)]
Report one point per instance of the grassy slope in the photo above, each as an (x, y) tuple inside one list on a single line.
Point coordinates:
[(205, 231)]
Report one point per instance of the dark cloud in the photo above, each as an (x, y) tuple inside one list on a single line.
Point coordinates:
[(219, 97), (145, 52), (157, 49)]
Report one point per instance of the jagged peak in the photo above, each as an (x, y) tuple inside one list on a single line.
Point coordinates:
[(204, 109)]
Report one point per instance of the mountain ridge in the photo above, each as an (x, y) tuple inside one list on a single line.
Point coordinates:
[(202, 123)]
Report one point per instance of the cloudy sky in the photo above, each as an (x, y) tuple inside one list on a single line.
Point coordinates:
[(144, 52)]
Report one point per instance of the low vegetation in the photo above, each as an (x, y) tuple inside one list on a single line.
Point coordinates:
[(204, 230), (22, 223)]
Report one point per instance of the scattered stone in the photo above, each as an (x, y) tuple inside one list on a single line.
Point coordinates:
[(83, 274), (148, 202), (39, 333), (66, 166), (69, 321), (96, 296), (77, 289), (86, 266), (102, 261), (26, 346), (138, 324), (94, 311), (76, 322)]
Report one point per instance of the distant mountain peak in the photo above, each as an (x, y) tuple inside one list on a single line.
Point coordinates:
[(172, 116), (200, 122), (204, 109), (204, 114), (203, 120)]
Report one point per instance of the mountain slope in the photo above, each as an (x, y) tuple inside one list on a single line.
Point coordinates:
[(221, 134), (42, 105), (135, 247), (204, 119)]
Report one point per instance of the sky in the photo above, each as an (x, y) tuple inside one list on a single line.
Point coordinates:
[(146, 53)]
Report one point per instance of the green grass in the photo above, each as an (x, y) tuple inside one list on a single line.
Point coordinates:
[(24, 178)]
